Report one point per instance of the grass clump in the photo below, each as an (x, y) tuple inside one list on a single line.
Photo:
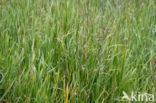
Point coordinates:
[(72, 51)]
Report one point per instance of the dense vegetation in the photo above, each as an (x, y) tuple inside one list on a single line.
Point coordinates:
[(76, 51)]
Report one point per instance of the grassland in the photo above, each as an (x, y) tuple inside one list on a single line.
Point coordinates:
[(76, 51)]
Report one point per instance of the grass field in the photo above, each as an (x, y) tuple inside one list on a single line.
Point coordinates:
[(76, 51)]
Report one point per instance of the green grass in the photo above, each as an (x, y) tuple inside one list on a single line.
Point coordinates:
[(76, 51)]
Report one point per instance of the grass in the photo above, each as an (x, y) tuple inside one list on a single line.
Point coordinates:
[(72, 51)]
